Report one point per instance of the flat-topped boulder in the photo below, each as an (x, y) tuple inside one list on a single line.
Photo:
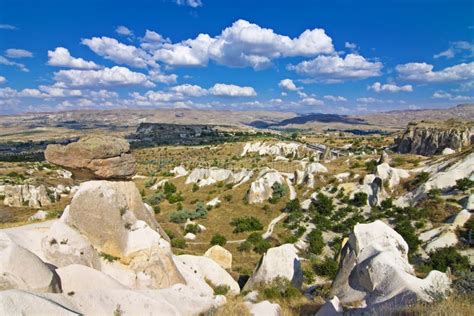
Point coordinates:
[(220, 255), (97, 157)]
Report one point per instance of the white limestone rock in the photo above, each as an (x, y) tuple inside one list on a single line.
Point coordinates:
[(281, 261), (196, 270), (179, 171), (38, 216), (190, 236), (21, 269), (263, 308), (261, 189), (77, 277), (391, 175), (215, 201), (220, 255), (375, 272), (448, 151), (204, 177)]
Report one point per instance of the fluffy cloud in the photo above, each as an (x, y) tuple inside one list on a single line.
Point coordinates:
[(335, 98), (9, 93), (352, 66), (243, 44), (7, 62), (189, 90), (423, 72), (57, 92), (123, 30), (156, 76), (18, 53), (192, 52), (107, 77), (288, 84), (388, 87), (311, 101), (366, 100), (2, 79), (190, 3), (230, 90), (456, 48), (111, 49), (445, 95), (61, 57), (153, 40)]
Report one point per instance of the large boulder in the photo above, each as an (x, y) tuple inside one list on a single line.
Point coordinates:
[(391, 175), (202, 273), (429, 138), (263, 308), (220, 255), (374, 271), (21, 269), (76, 277), (278, 262), (261, 189), (99, 157), (203, 176), (109, 219)]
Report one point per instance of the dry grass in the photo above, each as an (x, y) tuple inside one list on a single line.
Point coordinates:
[(454, 305)]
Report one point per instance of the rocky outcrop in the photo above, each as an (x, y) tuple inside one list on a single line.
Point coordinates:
[(96, 157), (21, 269), (261, 189), (428, 139), (28, 195), (203, 176), (306, 176), (278, 262), (110, 219), (263, 308), (391, 175), (179, 171), (445, 235), (374, 271), (220, 255), (272, 149)]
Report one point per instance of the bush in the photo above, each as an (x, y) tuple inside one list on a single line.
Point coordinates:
[(246, 223), (420, 178), (406, 230), (195, 187), (443, 258), (464, 184), (221, 290), (245, 246), (169, 188), (279, 191), (360, 199), (316, 242), (150, 182), (327, 268), (262, 246), (279, 289), (179, 216), (371, 166), (178, 243), (323, 204), (154, 199), (192, 228), (293, 206), (218, 239)]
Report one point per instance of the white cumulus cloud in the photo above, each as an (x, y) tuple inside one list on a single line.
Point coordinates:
[(311, 101), (335, 98), (231, 90), (190, 3), (288, 84), (388, 87), (423, 72), (189, 90), (352, 66), (61, 57), (107, 77), (123, 30), (7, 62), (445, 95)]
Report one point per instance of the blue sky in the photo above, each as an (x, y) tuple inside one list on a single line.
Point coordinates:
[(303, 56)]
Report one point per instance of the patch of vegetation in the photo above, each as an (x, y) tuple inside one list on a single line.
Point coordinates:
[(246, 224), (218, 239), (279, 191), (178, 242), (407, 231), (280, 289), (360, 199), (328, 267), (464, 184), (443, 258), (371, 166), (316, 241), (108, 257)]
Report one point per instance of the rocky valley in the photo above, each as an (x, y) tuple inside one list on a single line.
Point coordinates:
[(306, 223)]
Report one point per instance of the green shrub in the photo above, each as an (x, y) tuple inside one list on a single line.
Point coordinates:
[(192, 228), (371, 166), (360, 199), (464, 184), (245, 246), (328, 268), (195, 187), (262, 246), (406, 230), (221, 290), (246, 223), (108, 257), (179, 216), (218, 239), (293, 206), (323, 204), (154, 199), (150, 182), (443, 258), (169, 188), (279, 191), (178, 243), (280, 289), (316, 241)]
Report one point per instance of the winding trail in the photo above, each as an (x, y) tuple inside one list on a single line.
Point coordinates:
[(267, 234)]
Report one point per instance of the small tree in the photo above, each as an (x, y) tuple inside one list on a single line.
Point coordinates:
[(464, 184), (218, 239), (323, 204), (316, 242), (360, 199)]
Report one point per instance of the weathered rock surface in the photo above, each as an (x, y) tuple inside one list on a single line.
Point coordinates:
[(21, 269), (197, 271), (263, 308), (203, 176), (375, 272), (272, 149), (428, 139), (391, 175), (220, 255), (306, 176), (77, 277), (26, 195), (331, 308), (99, 157), (281, 261), (261, 189), (179, 171)]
